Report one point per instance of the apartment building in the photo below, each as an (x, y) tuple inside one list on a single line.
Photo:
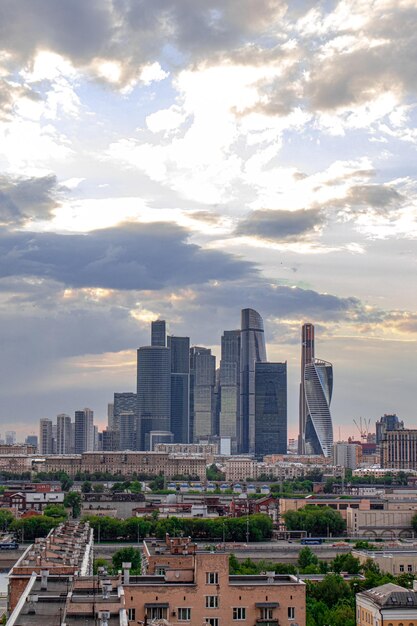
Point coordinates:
[(386, 605)]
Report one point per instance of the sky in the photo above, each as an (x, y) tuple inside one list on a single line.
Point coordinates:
[(184, 159)]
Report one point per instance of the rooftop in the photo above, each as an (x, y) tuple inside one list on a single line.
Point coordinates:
[(391, 595)]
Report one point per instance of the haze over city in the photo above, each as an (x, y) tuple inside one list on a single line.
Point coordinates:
[(194, 159)]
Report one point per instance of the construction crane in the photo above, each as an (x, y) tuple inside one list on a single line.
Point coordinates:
[(363, 427)]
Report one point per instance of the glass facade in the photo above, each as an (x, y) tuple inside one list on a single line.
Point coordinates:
[(270, 409), (158, 333), (307, 355), (202, 401), (252, 350), (180, 388), (230, 385), (318, 387)]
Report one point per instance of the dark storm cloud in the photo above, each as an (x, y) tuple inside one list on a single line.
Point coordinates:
[(133, 32), (22, 199), (132, 256), (275, 225)]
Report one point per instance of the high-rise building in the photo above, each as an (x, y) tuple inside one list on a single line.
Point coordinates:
[(252, 350), (63, 434), (230, 386), (84, 431), (347, 454), (318, 388), (123, 402), (153, 391), (127, 423), (202, 382), (10, 438), (399, 449), (270, 409), (32, 440), (45, 436), (110, 414), (307, 356), (158, 333), (180, 388), (387, 423)]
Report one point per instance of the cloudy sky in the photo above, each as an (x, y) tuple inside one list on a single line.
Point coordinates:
[(187, 158)]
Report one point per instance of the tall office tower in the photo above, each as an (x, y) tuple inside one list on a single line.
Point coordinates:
[(307, 356), (270, 409), (110, 440), (84, 431), (180, 387), (45, 436), (318, 388), (32, 440), (158, 333), (124, 402), (127, 421), (230, 386), (153, 392), (10, 437), (386, 424), (63, 434), (110, 414), (203, 380), (252, 350)]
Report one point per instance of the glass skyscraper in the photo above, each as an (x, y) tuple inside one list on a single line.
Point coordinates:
[(307, 355), (158, 333), (153, 392), (202, 383), (230, 385), (270, 409), (252, 350), (180, 387), (318, 388)]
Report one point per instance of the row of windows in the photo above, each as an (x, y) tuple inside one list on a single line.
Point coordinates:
[(184, 614)]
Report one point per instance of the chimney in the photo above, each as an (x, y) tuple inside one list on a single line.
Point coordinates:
[(44, 579), (271, 577), (107, 587), (104, 618), (126, 571)]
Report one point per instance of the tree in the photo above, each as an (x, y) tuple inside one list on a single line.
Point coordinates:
[(66, 482), (86, 486), (318, 521), (346, 563), (98, 488), (127, 555), (135, 486), (306, 558), (73, 500), (57, 511), (213, 473), (6, 518)]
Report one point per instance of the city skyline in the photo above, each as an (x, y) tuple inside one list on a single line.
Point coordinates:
[(186, 160)]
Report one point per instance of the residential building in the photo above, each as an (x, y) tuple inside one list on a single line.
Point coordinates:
[(110, 415), (270, 408), (394, 561), (230, 386), (386, 605), (347, 454), (387, 423), (399, 449), (10, 437), (240, 468), (252, 350), (180, 388), (202, 383), (84, 431), (153, 392), (32, 440), (63, 436), (45, 436)]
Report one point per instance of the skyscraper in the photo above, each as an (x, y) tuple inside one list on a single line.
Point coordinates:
[(84, 431), (202, 380), (180, 387), (45, 436), (158, 333), (270, 409), (318, 388), (123, 402), (385, 424), (153, 392), (252, 350), (10, 437), (63, 434), (230, 385), (127, 426), (307, 355)]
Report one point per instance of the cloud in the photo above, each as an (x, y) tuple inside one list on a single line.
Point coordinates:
[(23, 199), (280, 225), (132, 256)]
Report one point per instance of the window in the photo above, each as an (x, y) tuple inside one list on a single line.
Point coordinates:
[(212, 621), (291, 612), (401, 568), (212, 602), (160, 571), (156, 612), (184, 614), (266, 613), (131, 614), (409, 568), (212, 578), (239, 613)]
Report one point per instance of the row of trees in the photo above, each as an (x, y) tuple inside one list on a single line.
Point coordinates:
[(257, 527), (317, 521)]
